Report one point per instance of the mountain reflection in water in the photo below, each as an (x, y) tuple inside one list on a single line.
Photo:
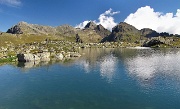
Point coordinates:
[(142, 64), (125, 78)]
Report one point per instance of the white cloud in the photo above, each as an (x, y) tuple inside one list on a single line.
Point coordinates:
[(105, 19), (13, 3), (146, 17), (82, 25)]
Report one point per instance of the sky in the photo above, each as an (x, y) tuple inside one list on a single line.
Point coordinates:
[(162, 16)]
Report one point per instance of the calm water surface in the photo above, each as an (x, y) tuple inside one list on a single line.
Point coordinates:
[(101, 79)]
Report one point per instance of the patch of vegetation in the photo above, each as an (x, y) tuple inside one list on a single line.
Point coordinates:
[(9, 59)]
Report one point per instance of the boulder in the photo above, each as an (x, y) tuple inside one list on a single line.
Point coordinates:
[(59, 56), (45, 56), (78, 39), (74, 54), (27, 57)]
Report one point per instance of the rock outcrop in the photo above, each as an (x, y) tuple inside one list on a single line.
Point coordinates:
[(99, 29), (156, 41), (91, 25), (92, 33), (15, 30), (123, 32), (78, 39), (146, 32), (103, 32), (27, 57)]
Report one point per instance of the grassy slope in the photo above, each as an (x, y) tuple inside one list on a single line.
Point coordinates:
[(22, 39)]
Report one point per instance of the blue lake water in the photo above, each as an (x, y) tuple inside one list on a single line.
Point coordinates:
[(100, 79)]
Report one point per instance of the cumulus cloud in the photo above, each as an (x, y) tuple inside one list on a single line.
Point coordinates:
[(146, 17), (106, 19), (13, 3), (82, 25)]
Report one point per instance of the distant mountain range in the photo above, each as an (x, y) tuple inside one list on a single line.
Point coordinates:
[(123, 32)]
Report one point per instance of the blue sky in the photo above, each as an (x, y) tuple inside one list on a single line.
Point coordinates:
[(73, 12)]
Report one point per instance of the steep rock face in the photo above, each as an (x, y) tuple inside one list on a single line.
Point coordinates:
[(16, 29), (91, 25), (102, 31), (123, 32), (146, 32), (99, 29)]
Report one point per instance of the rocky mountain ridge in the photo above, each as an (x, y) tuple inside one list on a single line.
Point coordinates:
[(103, 32), (89, 34), (29, 42), (123, 32)]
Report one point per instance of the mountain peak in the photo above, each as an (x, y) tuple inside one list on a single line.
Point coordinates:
[(22, 22), (91, 25), (125, 27)]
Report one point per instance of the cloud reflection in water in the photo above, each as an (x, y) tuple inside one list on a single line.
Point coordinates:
[(108, 67), (146, 67)]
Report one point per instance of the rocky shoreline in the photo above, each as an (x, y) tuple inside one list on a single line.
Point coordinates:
[(31, 42), (60, 50), (51, 50)]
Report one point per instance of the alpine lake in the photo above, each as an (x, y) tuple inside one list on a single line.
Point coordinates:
[(121, 78)]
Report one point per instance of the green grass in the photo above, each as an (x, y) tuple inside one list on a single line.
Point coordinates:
[(9, 59), (6, 39)]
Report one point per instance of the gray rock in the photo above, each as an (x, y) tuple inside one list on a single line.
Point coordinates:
[(45, 56), (74, 54), (156, 41), (91, 25), (123, 32), (146, 32), (27, 57), (99, 29), (59, 56), (103, 32), (15, 30)]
